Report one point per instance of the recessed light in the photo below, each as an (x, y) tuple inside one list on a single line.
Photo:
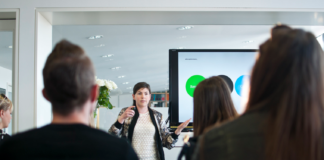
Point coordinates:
[(121, 76), (180, 48), (125, 82), (108, 55), (129, 88), (100, 45), (96, 37), (185, 28), (9, 46), (249, 41), (115, 68)]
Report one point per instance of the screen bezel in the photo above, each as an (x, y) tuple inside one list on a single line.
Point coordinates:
[(174, 80)]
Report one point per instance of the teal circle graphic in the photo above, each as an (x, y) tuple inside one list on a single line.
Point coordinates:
[(239, 84)]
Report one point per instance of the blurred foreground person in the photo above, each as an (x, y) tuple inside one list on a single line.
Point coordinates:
[(285, 111), (5, 116), (69, 81)]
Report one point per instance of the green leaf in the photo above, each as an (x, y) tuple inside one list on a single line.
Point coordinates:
[(110, 106)]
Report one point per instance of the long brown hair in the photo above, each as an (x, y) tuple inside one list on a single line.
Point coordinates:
[(212, 104), (287, 80)]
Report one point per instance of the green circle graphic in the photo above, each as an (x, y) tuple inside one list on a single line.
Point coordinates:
[(192, 83)]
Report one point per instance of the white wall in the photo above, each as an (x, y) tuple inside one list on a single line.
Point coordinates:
[(44, 47), (5, 78)]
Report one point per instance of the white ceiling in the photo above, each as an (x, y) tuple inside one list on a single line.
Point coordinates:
[(142, 50)]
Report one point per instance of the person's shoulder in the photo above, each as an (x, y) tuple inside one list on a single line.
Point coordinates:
[(16, 139), (157, 113), (28, 133), (246, 124), (104, 137)]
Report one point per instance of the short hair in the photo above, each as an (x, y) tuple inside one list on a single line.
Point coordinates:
[(68, 77), (138, 86), (5, 103)]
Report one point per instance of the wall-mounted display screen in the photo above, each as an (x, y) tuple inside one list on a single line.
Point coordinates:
[(189, 67)]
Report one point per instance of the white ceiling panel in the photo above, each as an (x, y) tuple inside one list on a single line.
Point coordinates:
[(142, 50)]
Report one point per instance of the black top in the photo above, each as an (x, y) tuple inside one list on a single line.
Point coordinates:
[(72, 141), (3, 136)]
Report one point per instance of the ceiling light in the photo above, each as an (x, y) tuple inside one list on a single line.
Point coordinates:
[(125, 82), (249, 41), (180, 48), (100, 45), (96, 37), (185, 28), (129, 88), (121, 76), (108, 55), (9, 46), (115, 68)]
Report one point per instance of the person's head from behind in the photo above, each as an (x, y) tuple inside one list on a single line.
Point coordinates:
[(6, 108), (141, 94), (212, 104), (287, 81), (69, 80)]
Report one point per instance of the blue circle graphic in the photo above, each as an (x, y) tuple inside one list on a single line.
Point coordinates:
[(239, 84)]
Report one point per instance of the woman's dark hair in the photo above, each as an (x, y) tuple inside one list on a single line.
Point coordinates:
[(287, 80), (139, 86), (212, 104)]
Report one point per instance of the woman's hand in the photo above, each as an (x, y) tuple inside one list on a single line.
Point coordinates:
[(129, 112), (182, 126)]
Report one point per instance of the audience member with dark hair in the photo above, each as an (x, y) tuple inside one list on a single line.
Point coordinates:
[(69, 81), (5, 116), (213, 105), (144, 127), (284, 115)]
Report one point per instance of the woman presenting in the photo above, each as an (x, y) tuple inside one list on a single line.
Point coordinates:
[(144, 127)]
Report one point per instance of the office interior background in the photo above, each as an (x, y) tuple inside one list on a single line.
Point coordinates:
[(133, 39)]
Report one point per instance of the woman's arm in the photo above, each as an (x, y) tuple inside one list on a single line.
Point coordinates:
[(168, 138), (117, 127)]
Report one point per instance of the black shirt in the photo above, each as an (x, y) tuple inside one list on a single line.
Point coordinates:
[(72, 141), (3, 136)]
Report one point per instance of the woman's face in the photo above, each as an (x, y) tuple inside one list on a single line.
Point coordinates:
[(142, 97), (6, 117)]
